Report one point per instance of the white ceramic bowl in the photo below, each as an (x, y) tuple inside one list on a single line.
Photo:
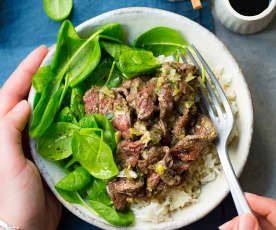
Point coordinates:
[(135, 21)]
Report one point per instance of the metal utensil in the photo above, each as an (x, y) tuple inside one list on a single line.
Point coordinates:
[(222, 117)]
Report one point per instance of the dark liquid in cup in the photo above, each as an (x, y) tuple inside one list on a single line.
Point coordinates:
[(249, 7)]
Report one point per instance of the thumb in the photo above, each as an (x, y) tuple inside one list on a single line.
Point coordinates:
[(12, 160), (243, 222)]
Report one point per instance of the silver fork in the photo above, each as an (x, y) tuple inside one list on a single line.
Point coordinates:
[(223, 120)]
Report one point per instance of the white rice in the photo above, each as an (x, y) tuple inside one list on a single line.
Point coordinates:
[(204, 170)]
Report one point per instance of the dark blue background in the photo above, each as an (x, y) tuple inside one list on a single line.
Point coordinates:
[(25, 26)]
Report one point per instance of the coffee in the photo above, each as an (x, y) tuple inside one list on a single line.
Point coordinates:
[(249, 7)]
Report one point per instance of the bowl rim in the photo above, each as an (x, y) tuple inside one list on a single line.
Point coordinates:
[(102, 223)]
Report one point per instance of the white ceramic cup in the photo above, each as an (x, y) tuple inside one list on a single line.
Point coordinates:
[(236, 22)]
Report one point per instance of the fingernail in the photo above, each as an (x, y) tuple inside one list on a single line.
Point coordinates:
[(20, 106), (225, 225), (247, 222)]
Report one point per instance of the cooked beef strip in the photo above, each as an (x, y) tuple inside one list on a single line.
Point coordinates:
[(152, 181), (96, 101), (162, 131), (119, 199), (120, 190), (181, 123), (154, 155), (165, 99), (190, 147), (128, 153)]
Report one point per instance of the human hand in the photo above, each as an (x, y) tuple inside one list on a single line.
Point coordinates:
[(265, 210), (24, 202)]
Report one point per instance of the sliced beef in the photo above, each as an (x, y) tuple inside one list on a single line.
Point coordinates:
[(120, 190), (205, 128), (128, 153), (121, 120), (190, 147), (162, 131), (153, 155), (133, 88), (152, 181), (97, 101), (119, 199), (181, 123), (145, 100), (91, 100), (165, 98)]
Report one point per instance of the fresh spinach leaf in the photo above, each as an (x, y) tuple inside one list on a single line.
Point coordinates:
[(58, 9), (75, 181), (76, 55), (75, 198), (66, 115), (76, 103), (108, 130), (100, 75), (42, 78), (161, 40), (101, 122), (55, 144), (108, 38), (136, 62), (114, 49), (36, 99), (94, 155), (76, 58), (111, 215), (45, 111), (113, 31), (97, 192), (88, 121)]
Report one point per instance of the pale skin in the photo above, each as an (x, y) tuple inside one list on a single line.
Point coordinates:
[(25, 201)]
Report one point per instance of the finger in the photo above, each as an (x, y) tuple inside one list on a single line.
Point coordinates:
[(263, 206), (18, 85), (265, 224), (12, 160), (244, 222), (229, 225)]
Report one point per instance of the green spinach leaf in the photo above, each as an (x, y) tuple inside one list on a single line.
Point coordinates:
[(111, 215), (101, 122), (88, 121), (45, 111), (136, 62), (97, 192), (75, 58), (76, 103), (108, 130), (100, 75), (42, 78), (66, 115), (75, 181), (94, 155), (55, 144), (75, 55), (75, 198), (58, 9), (161, 40), (36, 99), (114, 49), (112, 31)]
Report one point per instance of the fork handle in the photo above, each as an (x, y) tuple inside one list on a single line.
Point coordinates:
[(235, 188)]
